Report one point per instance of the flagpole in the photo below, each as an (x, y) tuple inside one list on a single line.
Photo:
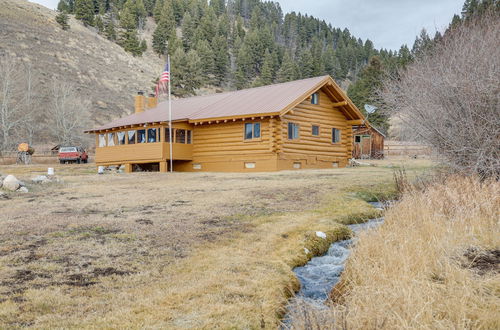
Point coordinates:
[(170, 117)]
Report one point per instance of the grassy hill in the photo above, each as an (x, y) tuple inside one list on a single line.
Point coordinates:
[(106, 74)]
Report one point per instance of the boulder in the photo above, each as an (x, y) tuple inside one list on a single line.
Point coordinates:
[(23, 190), (321, 234), (11, 183)]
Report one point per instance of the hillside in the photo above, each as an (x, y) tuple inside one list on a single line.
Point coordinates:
[(106, 74)]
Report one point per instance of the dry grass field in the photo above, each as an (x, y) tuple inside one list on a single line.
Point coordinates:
[(181, 250), (433, 264)]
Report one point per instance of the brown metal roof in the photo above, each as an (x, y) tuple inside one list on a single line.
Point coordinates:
[(265, 100)]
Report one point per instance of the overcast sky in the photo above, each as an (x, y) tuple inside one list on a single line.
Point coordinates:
[(388, 23)]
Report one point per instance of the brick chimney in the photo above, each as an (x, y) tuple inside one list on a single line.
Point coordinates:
[(140, 101), (152, 101)]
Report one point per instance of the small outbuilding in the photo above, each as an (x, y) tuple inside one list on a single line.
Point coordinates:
[(368, 142)]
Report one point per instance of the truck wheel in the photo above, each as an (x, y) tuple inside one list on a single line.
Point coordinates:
[(61, 161)]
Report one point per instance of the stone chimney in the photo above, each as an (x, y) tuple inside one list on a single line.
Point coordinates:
[(152, 101), (140, 101)]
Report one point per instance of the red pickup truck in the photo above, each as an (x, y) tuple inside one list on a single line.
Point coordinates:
[(73, 155)]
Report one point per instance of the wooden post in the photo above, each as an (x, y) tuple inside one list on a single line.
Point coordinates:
[(128, 168), (163, 167)]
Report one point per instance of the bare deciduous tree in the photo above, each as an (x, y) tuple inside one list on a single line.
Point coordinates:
[(11, 89), (449, 98), (68, 115)]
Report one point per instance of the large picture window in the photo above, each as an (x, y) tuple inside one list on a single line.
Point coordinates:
[(180, 135), (336, 135), (102, 140), (121, 138), (252, 131), (131, 137), (111, 139), (167, 134), (152, 135), (141, 136), (293, 131)]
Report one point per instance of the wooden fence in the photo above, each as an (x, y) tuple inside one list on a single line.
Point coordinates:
[(400, 148)]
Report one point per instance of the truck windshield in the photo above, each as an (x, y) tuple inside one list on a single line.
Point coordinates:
[(67, 149)]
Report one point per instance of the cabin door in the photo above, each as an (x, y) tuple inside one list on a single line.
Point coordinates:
[(362, 146)]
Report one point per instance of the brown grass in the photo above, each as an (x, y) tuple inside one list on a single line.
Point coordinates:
[(433, 264), (181, 250)]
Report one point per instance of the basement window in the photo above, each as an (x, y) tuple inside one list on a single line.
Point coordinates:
[(102, 140), (297, 165), (293, 131), (336, 136), (196, 166), (152, 135), (250, 165), (315, 130), (111, 139), (121, 138), (315, 98), (131, 137), (335, 164), (141, 136), (252, 131)]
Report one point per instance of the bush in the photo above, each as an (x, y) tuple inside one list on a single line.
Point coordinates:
[(449, 97)]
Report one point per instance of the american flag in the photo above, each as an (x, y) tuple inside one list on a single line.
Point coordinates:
[(162, 85)]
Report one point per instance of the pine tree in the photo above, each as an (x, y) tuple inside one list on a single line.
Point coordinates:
[(208, 26), (188, 31), (109, 30), (186, 72), (288, 69), (129, 40), (207, 60), (99, 24), (165, 30), (67, 6), (84, 11), (221, 53), (266, 74), (363, 91), (62, 19)]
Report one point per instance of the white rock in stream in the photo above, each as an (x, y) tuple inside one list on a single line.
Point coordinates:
[(306, 250), (321, 234)]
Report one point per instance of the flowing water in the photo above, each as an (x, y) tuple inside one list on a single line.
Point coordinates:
[(320, 274)]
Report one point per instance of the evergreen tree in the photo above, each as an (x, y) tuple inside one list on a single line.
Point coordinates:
[(62, 19), (129, 40), (221, 54), (188, 31), (165, 30), (84, 11), (363, 91), (67, 6), (288, 70), (109, 30), (208, 26), (99, 24), (267, 72), (207, 60), (186, 72)]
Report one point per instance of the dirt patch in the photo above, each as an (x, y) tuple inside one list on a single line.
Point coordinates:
[(144, 221), (79, 280), (108, 271), (483, 261)]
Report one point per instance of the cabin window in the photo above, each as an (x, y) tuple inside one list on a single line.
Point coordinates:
[(315, 130), (252, 131), (167, 134), (102, 140), (111, 139), (250, 165), (121, 138), (297, 165), (293, 131), (180, 136), (196, 166), (152, 135), (131, 137), (141, 136), (336, 135), (315, 98), (357, 139), (189, 138)]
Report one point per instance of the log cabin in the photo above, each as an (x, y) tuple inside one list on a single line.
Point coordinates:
[(303, 124), (368, 142)]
